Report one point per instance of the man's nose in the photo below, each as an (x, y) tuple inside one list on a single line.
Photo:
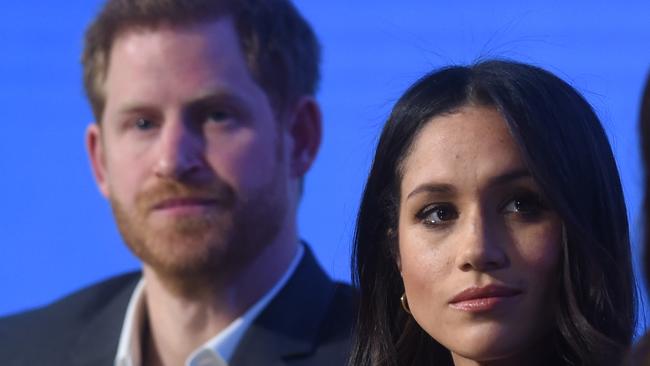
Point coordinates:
[(481, 245), (180, 150)]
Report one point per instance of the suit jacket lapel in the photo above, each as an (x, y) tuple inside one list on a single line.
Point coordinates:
[(289, 326), (97, 342)]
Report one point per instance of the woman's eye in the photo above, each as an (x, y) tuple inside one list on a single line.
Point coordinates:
[(438, 214), (527, 204)]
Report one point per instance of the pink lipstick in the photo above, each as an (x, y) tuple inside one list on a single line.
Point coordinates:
[(480, 299)]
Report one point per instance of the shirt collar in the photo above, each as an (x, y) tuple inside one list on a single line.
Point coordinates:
[(128, 349), (215, 352)]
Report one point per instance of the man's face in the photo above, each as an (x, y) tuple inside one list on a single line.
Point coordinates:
[(189, 152)]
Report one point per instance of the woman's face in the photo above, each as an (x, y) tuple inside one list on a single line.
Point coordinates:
[(479, 248)]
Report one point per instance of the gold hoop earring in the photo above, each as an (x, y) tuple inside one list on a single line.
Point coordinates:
[(405, 303)]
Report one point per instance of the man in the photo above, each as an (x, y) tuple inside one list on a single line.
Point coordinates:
[(206, 124)]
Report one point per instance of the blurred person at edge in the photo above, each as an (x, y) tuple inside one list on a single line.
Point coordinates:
[(640, 354), (493, 229), (206, 123)]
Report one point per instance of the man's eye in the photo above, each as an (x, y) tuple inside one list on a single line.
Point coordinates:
[(218, 116), (144, 124), (438, 214)]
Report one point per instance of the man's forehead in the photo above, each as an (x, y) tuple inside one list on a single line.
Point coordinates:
[(213, 26), (200, 50), (173, 67)]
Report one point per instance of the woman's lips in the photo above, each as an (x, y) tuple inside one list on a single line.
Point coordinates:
[(479, 299)]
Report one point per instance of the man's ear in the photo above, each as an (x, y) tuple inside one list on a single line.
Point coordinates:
[(96, 152), (305, 130)]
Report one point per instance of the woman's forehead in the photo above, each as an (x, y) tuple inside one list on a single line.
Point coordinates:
[(472, 144)]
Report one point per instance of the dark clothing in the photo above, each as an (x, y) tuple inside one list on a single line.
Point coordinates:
[(307, 323)]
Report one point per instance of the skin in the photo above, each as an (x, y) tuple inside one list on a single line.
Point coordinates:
[(202, 175), (470, 216)]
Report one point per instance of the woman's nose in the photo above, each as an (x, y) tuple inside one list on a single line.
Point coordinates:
[(482, 244)]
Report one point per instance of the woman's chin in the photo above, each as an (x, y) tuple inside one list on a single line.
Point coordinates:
[(487, 342)]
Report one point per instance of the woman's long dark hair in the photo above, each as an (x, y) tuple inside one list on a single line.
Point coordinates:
[(644, 127), (568, 155), (640, 355)]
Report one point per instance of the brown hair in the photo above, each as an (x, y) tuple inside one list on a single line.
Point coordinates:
[(280, 47)]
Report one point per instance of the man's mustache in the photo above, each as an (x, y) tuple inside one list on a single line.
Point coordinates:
[(167, 191)]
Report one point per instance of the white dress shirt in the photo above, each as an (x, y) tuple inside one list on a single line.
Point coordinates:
[(215, 352)]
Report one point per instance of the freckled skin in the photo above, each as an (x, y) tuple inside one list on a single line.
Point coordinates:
[(488, 242)]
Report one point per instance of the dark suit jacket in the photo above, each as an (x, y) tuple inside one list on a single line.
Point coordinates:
[(307, 323)]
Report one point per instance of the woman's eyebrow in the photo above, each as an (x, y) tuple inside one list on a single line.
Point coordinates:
[(432, 188), (443, 188), (509, 176)]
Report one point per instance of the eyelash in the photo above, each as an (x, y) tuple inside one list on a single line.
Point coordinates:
[(439, 208), (141, 125), (534, 201), (536, 205), (144, 124), (218, 115)]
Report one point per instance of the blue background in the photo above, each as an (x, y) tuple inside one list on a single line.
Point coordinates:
[(56, 231)]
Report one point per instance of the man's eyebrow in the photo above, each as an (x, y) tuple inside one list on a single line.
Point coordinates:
[(217, 96), (201, 100), (136, 107)]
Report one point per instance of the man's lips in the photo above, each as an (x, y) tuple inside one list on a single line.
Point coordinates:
[(184, 202), (483, 298)]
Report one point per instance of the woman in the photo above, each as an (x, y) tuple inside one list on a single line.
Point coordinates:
[(640, 355), (492, 228)]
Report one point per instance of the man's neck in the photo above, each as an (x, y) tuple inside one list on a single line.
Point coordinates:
[(180, 321)]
